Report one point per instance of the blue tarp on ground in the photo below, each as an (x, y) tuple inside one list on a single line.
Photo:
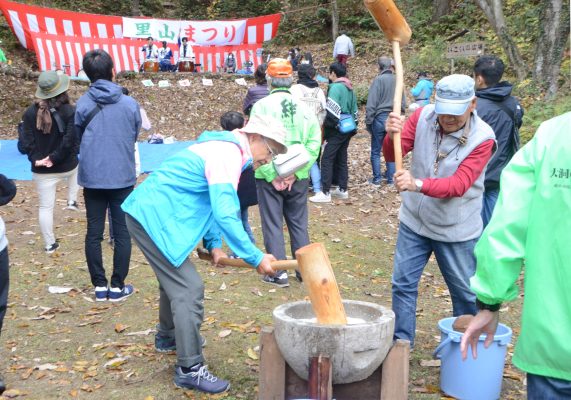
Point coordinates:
[(16, 166)]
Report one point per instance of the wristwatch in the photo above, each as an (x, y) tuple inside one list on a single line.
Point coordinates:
[(489, 307), (418, 184)]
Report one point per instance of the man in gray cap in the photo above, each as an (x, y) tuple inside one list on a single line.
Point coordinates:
[(441, 196)]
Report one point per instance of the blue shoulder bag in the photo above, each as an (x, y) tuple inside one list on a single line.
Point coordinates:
[(346, 124)]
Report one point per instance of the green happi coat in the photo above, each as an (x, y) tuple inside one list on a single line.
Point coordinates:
[(531, 226)]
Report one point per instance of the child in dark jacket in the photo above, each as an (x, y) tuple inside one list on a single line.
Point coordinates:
[(247, 185)]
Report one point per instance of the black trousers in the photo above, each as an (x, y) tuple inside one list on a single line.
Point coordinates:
[(96, 203), (275, 206), (334, 162), (4, 283)]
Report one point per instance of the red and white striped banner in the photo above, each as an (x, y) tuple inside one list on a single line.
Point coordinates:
[(25, 20), (63, 52)]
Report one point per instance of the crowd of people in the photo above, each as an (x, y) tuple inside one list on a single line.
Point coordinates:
[(460, 144)]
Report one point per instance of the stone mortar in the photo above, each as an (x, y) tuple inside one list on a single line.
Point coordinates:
[(356, 350)]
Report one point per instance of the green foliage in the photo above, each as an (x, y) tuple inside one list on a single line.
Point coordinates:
[(241, 8), (362, 92), (541, 111)]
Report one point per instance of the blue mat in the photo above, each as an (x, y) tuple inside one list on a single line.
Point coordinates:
[(16, 166)]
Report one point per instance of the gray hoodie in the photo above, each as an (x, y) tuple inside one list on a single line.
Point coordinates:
[(107, 159)]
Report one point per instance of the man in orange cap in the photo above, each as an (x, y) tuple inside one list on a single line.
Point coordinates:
[(278, 197)]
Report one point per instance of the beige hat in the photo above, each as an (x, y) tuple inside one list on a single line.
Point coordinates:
[(51, 84), (268, 127)]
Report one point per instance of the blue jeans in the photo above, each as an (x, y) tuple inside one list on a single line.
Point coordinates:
[(315, 174), (544, 388), (246, 224), (488, 203), (378, 134), (456, 262)]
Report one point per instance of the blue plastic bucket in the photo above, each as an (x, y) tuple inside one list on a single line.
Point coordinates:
[(479, 379)]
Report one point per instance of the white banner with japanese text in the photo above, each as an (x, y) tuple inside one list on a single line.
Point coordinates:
[(202, 33)]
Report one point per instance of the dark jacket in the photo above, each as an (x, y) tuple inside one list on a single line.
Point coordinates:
[(488, 108), (254, 94), (7, 193), (247, 189), (62, 148), (108, 142)]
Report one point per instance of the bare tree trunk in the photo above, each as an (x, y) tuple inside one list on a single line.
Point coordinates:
[(135, 10), (334, 19), (495, 15), (553, 34), (440, 9)]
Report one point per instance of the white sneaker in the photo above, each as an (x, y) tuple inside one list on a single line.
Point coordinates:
[(320, 197), (340, 194)]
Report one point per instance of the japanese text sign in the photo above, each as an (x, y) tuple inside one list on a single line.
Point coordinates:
[(465, 49)]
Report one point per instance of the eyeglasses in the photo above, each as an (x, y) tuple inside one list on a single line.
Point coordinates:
[(272, 154)]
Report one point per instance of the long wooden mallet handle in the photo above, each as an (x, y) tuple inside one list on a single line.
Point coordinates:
[(203, 254), (392, 23)]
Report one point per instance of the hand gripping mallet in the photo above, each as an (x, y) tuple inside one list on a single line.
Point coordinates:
[(392, 23)]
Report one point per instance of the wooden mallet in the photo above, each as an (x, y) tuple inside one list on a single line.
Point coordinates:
[(392, 23), (318, 278), (203, 254)]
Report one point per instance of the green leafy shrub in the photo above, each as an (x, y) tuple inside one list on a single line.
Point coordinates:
[(362, 92), (541, 111)]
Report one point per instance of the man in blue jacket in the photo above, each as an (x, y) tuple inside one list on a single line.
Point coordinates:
[(108, 123), (504, 114), (191, 196)]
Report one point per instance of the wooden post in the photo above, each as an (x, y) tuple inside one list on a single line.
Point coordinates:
[(272, 367), (394, 372), (320, 385)]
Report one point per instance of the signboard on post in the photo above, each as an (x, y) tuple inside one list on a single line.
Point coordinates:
[(468, 49)]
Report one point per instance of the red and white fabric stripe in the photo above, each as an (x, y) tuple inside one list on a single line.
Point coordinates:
[(62, 52), (26, 19)]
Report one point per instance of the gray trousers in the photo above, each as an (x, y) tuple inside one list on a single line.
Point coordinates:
[(181, 304), (275, 206)]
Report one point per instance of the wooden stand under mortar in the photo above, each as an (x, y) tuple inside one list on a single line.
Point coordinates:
[(277, 381)]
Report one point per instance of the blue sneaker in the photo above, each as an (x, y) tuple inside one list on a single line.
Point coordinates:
[(101, 293), (165, 344), (200, 379), (116, 294)]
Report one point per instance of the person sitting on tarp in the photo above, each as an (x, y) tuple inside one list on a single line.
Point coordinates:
[(423, 89), (230, 63), (165, 55)]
